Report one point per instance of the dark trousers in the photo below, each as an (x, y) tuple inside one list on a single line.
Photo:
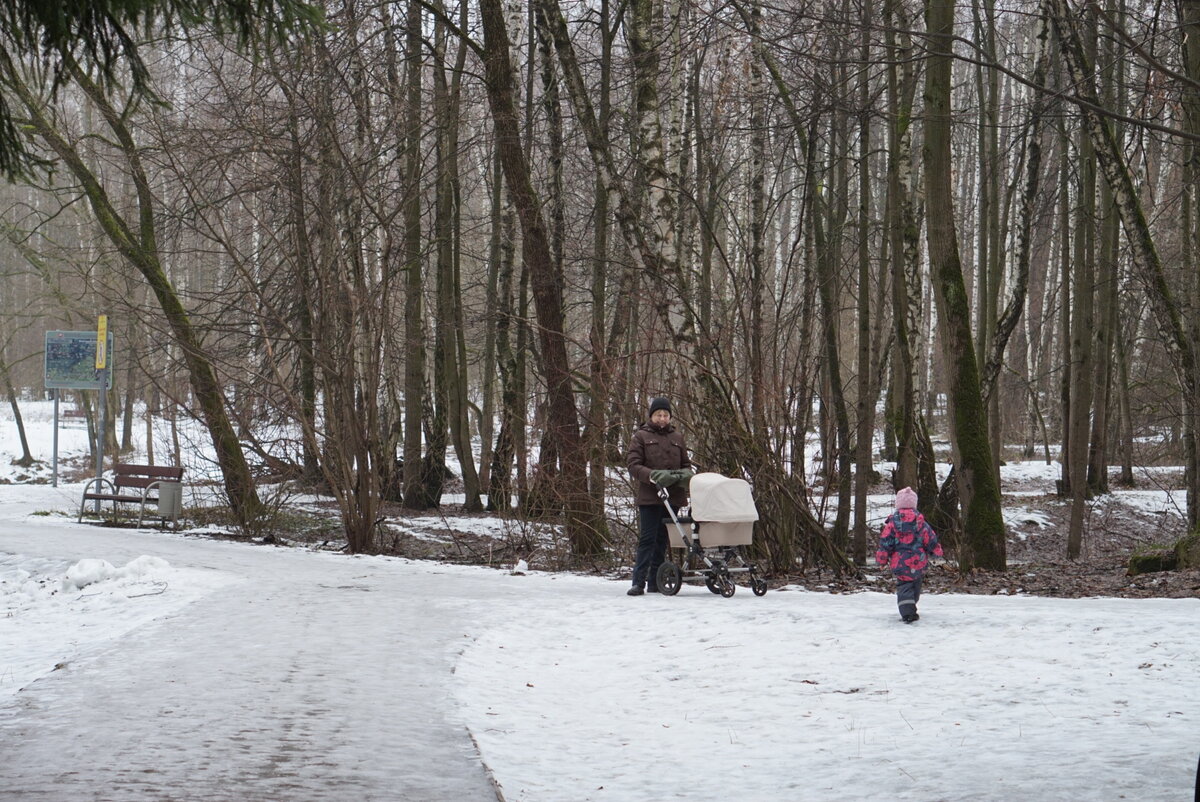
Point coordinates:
[(908, 593), (652, 544)]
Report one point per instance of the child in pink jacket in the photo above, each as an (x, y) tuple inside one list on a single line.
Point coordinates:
[(904, 547)]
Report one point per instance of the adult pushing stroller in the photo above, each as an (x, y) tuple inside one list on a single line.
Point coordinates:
[(721, 518)]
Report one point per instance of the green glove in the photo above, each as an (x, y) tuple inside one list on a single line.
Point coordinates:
[(663, 478), (683, 477)]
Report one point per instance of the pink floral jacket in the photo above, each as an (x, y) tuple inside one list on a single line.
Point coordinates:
[(906, 543)]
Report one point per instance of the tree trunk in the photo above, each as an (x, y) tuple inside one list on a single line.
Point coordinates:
[(1065, 314), (758, 222), (491, 316), (26, 459), (1083, 281), (448, 95), (827, 290), (978, 490), (582, 517), (500, 480), (546, 479), (602, 347), (865, 413), (987, 284), (438, 412), (1190, 13), (1125, 412), (1013, 310), (414, 325), (914, 454)]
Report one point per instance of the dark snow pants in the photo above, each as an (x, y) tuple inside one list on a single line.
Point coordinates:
[(652, 545), (908, 593)]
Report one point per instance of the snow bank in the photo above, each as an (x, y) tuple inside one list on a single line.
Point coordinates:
[(53, 612), (89, 572)]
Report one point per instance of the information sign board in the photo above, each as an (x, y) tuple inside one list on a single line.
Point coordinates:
[(71, 361)]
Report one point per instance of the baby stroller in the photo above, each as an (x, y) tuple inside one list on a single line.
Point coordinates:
[(722, 516)]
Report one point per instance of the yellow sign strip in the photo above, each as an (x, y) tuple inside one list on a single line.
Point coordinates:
[(102, 343)]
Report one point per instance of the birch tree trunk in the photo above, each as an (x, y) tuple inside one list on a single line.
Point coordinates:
[(644, 47), (500, 482)]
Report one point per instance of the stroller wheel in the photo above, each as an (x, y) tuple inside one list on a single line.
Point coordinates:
[(759, 586), (727, 587), (670, 577), (713, 584)]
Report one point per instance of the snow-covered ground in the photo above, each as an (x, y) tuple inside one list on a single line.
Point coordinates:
[(149, 665)]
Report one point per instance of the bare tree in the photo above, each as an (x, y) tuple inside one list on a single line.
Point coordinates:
[(978, 488), (581, 516), (136, 239)]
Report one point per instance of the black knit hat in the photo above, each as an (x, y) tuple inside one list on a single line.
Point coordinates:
[(659, 403)]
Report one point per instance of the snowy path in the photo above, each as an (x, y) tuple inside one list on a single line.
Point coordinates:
[(309, 676)]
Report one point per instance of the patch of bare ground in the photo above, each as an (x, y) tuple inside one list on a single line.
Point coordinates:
[(1037, 521), (480, 538)]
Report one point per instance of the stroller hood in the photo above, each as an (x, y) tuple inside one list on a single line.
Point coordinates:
[(720, 499)]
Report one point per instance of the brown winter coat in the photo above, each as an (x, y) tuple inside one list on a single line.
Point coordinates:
[(655, 449)]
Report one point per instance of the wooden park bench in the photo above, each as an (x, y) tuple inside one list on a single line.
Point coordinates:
[(137, 484)]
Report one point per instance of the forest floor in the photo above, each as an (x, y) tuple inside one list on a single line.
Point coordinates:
[(1037, 520)]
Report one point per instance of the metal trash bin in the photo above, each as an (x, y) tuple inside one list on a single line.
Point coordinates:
[(170, 500)]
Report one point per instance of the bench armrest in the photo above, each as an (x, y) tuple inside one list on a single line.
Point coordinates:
[(100, 482)]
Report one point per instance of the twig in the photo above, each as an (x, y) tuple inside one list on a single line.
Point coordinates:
[(162, 588)]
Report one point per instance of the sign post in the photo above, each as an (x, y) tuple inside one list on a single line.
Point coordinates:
[(54, 458), (102, 375)]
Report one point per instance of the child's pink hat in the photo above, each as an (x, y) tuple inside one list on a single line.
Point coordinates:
[(906, 499)]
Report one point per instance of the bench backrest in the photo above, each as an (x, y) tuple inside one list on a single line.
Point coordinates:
[(143, 475)]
